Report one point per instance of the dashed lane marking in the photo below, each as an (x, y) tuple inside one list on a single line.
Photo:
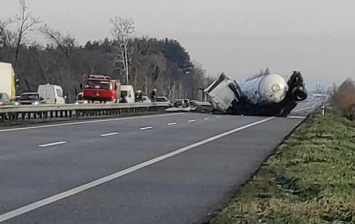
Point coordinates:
[(52, 144), (109, 134)]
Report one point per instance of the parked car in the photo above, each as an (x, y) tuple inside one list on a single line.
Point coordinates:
[(179, 103), (80, 99), (146, 99), (30, 98), (182, 103), (162, 99)]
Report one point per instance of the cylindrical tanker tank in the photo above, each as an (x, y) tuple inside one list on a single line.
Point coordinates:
[(265, 89)]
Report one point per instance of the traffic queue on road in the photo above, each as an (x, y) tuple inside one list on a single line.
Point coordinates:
[(96, 89)]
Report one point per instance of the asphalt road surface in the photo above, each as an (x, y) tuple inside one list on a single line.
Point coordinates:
[(169, 168)]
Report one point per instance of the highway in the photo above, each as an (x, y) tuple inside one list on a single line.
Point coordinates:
[(166, 168)]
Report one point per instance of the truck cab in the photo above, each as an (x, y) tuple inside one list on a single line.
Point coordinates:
[(127, 94), (101, 88), (222, 93)]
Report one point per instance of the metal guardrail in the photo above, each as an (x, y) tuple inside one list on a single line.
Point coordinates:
[(52, 111)]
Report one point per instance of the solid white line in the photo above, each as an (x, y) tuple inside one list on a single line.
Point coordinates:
[(146, 128), (207, 118), (109, 134), (111, 177), (87, 122), (296, 117), (170, 124), (191, 121), (52, 144)]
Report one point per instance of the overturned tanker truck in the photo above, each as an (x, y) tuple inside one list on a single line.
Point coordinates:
[(262, 95)]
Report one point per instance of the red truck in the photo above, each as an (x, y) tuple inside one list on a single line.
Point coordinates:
[(101, 88)]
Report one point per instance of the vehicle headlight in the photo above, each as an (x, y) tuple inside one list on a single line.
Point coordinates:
[(85, 101), (35, 103), (16, 103), (276, 87)]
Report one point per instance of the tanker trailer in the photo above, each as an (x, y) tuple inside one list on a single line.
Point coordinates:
[(266, 89)]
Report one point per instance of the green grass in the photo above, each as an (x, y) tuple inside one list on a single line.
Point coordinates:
[(310, 178)]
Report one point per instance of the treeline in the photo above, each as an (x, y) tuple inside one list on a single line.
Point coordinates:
[(146, 63)]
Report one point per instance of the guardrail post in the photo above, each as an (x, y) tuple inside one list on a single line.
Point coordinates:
[(323, 110)]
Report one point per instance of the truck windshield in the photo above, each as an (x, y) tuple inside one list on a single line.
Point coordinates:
[(124, 93), (97, 84)]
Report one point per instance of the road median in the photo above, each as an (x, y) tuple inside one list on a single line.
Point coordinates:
[(310, 178)]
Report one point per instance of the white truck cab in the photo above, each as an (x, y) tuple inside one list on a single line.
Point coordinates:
[(52, 94), (127, 94), (222, 92)]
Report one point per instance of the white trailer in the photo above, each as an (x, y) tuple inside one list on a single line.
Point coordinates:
[(7, 80)]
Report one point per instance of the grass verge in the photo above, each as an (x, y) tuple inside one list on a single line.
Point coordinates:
[(310, 178)]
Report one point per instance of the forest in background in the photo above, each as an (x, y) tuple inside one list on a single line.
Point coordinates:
[(144, 62)]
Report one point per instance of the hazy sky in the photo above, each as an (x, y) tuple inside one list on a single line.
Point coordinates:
[(316, 37)]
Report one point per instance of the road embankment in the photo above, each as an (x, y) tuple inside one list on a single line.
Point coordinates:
[(310, 178)]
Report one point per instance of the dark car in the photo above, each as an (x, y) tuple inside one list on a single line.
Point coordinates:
[(182, 103), (30, 99)]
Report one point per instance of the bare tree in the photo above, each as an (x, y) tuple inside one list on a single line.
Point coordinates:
[(26, 22), (5, 34), (123, 30), (68, 73), (64, 42)]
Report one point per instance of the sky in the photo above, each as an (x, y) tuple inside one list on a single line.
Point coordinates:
[(237, 37)]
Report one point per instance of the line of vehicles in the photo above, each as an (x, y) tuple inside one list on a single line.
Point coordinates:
[(262, 95), (96, 89)]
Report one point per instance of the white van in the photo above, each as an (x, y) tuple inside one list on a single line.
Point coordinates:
[(127, 94), (51, 94)]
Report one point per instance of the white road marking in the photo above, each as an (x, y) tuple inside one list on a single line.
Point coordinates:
[(173, 123), (73, 191), (87, 122), (218, 116), (296, 117), (206, 118), (109, 134), (190, 121), (146, 128), (52, 144)]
